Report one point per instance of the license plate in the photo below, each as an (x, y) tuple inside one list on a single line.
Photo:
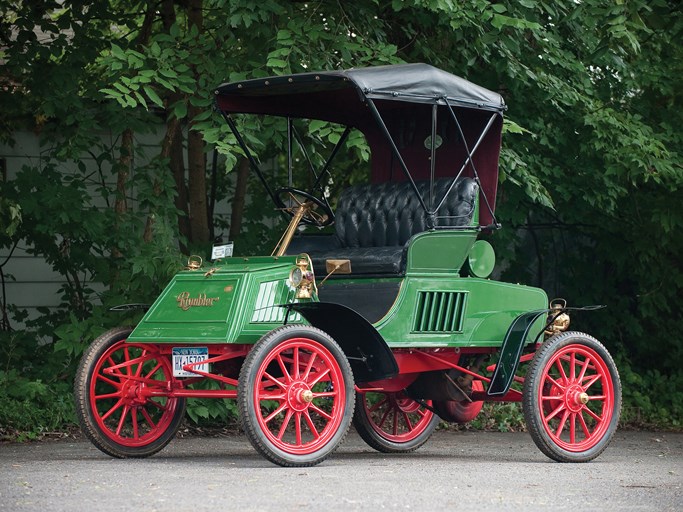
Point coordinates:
[(189, 355)]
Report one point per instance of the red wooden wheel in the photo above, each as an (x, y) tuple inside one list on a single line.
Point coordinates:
[(393, 422), (572, 398), (296, 396), (117, 397)]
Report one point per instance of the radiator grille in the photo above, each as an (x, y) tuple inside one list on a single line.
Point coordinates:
[(439, 311), (269, 295)]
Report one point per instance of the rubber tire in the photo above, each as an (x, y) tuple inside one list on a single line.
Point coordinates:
[(532, 408), (245, 390), (363, 426), (84, 412)]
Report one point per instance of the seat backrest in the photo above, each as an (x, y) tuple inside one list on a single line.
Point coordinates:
[(389, 214)]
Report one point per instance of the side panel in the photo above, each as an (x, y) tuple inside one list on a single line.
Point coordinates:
[(464, 312), (439, 251)]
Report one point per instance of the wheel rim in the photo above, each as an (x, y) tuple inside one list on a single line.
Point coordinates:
[(299, 396), (396, 417), (122, 383), (576, 398)]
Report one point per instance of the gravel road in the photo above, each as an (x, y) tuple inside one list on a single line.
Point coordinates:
[(454, 470)]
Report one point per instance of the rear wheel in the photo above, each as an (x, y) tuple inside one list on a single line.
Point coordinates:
[(572, 398), (462, 411), (393, 422), (296, 396), (114, 388)]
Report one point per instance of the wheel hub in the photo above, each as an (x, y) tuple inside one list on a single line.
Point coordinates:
[(299, 396), (575, 398)]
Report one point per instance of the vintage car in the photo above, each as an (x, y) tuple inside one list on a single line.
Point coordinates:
[(388, 320)]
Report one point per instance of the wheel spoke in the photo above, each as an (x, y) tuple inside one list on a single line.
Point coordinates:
[(325, 394), (409, 425), (586, 363), (592, 414), (285, 373), (572, 428), (297, 428), (586, 431), (310, 424), (111, 411), (148, 419), (126, 352), (295, 363), (572, 366), (320, 411), (271, 395), (557, 410), (384, 417), (378, 404), (277, 411), (154, 370), (134, 419), (554, 382), (156, 404), (285, 424), (563, 421), (560, 368), (592, 381), (122, 421), (106, 379), (139, 369), (282, 385), (309, 366), (319, 378), (117, 394)]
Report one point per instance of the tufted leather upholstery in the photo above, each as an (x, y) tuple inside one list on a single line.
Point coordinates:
[(374, 222)]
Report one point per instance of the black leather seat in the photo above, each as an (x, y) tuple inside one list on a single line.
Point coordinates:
[(373, 224)]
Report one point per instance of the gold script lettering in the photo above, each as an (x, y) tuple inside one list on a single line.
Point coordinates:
[(186, 302)]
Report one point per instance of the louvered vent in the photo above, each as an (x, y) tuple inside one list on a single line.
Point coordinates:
[(270, 294), (439, 311)]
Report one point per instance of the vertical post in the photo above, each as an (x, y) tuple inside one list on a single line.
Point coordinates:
[(432, 159)]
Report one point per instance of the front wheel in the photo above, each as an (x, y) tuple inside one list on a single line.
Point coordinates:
[(296, 396), (572, 398), (393, 422), (119, 389)]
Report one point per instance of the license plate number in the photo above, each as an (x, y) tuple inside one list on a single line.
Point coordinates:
[(189, 355)]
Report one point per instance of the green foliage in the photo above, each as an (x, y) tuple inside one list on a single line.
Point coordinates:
[(591, 177)]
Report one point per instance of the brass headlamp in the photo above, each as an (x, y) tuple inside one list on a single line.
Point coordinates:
[(561, 318), (302, 278)]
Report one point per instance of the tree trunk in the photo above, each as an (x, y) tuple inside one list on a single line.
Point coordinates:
[(239, 198), (178, 167), (199, 225), (122, 173)]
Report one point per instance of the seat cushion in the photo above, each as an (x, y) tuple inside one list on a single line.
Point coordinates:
[(373, 223)]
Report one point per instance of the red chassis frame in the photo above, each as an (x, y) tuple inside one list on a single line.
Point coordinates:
[(411, 363)]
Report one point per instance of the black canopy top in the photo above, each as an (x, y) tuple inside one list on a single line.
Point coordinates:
[(389, 104), (413, 83)]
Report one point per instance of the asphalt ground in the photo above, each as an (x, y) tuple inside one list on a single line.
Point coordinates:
[(453, 471)]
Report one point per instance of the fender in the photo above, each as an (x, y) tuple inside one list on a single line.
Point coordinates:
[(513, 344), (511, 351), (369, 355)]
